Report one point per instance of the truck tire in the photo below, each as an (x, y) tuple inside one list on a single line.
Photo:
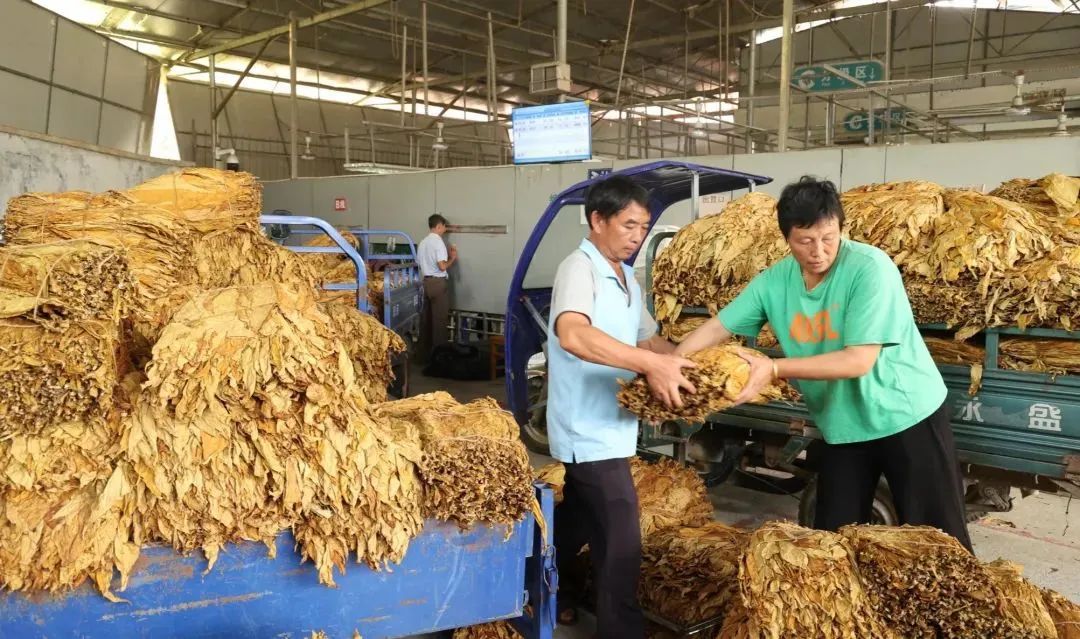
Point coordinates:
[(534, 430), (883, 513)]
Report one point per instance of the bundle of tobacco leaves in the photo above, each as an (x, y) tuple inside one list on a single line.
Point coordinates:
[(678, 330), (206, 199), (323, 263), (158, 247), (669, 495), (1054, 356), (475, 468), (927, 585), (50, 377), (345, 273), (691, 574), (251, 422), (710, 260), (797, 582), (554, 475), (1055, 195), (74, 280), (1064, 613), (495, 630), (371, 347), (737, 621), (1020, 601), (950, 351), (896, 217), (719, 378), (55, 540), (243, 257)]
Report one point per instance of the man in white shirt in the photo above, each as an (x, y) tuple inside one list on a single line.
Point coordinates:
[(435, 260)]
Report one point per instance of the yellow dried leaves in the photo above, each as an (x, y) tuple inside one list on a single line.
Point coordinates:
[(710, 260), (896, 217), (475, 468), (554, 475), (251, 422), (496, 630), (50, 377), (1055, 356), (1065, 614), (719, 378), (669, 494), (206, 199), (65, 280), (690, 574), (242, 257), (1018, 600), (1053, 195), (927, 585), (805, 583), (370, 346)]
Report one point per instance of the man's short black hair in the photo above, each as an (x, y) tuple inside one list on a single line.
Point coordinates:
[(611, 195), (806, 202), (435, 220)]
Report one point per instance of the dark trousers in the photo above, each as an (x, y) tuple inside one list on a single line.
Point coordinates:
[(600, 508), (921, 467), (433, 324)]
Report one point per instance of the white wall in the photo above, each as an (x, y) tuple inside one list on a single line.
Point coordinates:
[(35, 162), (517, 196), (60, 78)]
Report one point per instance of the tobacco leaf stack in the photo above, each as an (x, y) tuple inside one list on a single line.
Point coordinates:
[(805, 583), (691, 574), (927, 585), (251, 422), (1065, 614), (370, 346), (1019, 600), (496, 630), (475, 468), (710, 260), (669, 494), (719, 378)]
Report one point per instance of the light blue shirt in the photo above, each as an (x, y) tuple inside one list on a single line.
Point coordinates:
[(431, 251), (585, 421)]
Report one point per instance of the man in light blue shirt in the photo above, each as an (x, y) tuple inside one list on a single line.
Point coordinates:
[(604, 334), (435, 260)]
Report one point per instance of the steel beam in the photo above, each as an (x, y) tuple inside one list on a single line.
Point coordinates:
[(294, 156), (232, 91), (785, 74), (319, 18)]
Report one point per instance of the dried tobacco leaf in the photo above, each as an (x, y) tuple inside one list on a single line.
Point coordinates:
[(553, 475), (736, 622), (719, 378), (669, 494), (251, 422), (50, 377), (710, 260), (74, 280), (690, 574), (242, 257), (496, 630), (1019, 601), (1055, 195), (951, 351), (797, 582), (158, 247), (927, 585), (55, 541), (370, 345), (1054, 356), (475, 468), (206, 199), (1065, 614)]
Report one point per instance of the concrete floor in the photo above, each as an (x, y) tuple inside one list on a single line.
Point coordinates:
[(1042, 533)]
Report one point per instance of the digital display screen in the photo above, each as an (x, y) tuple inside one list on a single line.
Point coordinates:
[(552, 133)]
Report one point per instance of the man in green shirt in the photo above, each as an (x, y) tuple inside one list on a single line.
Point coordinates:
[(846, 327)]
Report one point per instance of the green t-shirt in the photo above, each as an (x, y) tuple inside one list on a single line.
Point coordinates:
[(860, 301)]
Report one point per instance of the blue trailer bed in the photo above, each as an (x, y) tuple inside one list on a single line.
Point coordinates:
[(448, 579)]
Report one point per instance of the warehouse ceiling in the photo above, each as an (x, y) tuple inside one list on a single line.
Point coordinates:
[(674, 51)]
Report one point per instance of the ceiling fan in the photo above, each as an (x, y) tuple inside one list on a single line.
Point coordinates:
[(1043, 104)]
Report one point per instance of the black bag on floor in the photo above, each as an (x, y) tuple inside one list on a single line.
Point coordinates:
[(461, 362)]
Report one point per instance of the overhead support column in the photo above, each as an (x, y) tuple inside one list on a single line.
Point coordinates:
[(560, 36), (830, 121), (213, 115), (294, 155), (785, 75), (404, 71), (753, 84), (889, 35), (423, 53)]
